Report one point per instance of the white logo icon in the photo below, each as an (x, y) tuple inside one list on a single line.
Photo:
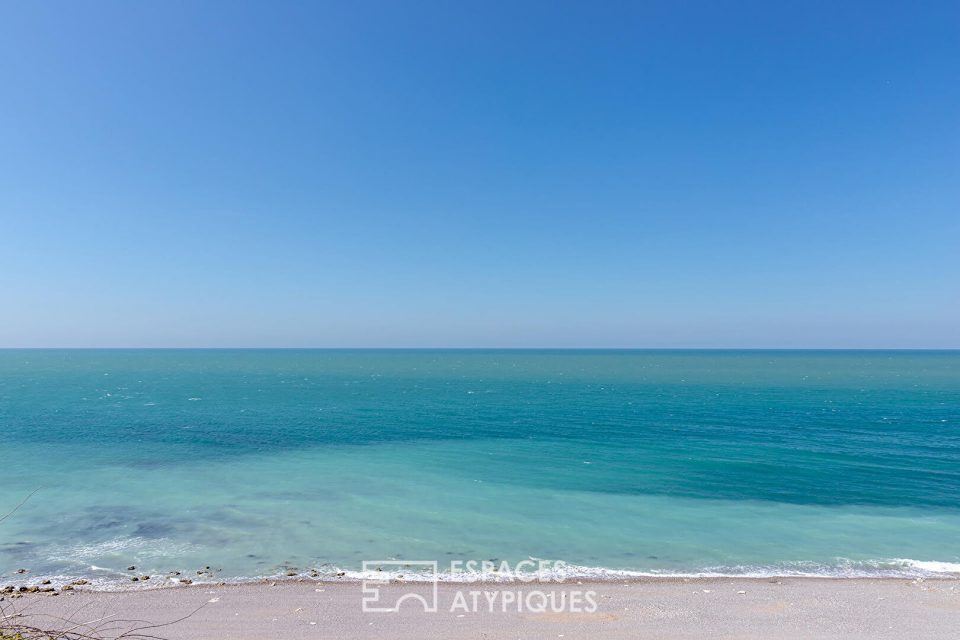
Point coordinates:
[(371, 587)]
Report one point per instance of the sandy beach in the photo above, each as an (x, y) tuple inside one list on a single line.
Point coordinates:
[(667, 608)]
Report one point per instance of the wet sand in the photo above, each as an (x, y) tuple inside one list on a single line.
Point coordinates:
[(653, 608)]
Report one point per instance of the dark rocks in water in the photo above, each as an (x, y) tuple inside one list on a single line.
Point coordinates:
[(21, 570), (154, 530), (21, 547), (340, 574), (144, 577), (45, 582), (131, 568), (135, 579), (221, 584), (186, 581), (291, 572)]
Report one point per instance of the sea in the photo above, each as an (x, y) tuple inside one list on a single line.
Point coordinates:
[(234, 465)]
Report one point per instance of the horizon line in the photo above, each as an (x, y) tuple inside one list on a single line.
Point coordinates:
[(463, 348)]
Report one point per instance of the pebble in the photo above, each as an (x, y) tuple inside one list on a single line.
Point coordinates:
[(131, 568)]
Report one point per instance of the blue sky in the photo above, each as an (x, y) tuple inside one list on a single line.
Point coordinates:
[(638, 174)]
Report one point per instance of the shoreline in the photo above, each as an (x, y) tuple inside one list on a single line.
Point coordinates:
[(673, 608), (158, 582)]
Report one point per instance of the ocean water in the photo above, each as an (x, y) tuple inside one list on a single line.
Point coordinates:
[(614, 462)]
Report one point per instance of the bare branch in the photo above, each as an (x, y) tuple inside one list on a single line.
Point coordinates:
[(22, 502)]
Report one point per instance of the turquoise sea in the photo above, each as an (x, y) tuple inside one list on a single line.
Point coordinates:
[(668, 462)]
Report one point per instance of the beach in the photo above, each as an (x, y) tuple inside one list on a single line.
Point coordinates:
[(650, 608), (492, 320), (678, 494)]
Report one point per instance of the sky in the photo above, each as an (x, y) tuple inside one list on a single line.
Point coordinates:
[(480, 174)]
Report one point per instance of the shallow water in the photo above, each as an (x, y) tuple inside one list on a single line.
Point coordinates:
[(750, 462)]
